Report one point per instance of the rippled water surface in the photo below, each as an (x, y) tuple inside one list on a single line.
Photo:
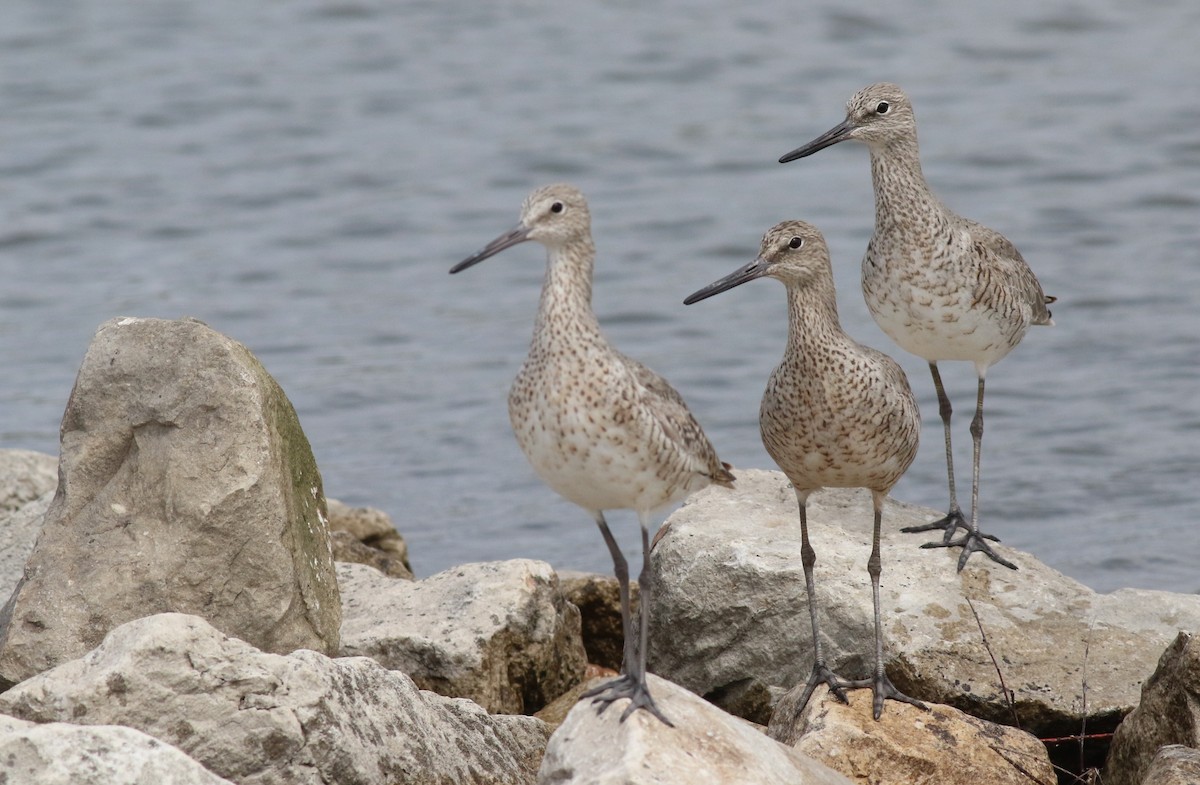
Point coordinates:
[(302, 175)]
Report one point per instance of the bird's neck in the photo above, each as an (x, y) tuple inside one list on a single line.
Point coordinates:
[(813, 324), (902, 196), (566, 302)]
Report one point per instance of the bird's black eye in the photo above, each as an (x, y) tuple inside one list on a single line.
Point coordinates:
[(796, 242), (883, 107), (557, 207)]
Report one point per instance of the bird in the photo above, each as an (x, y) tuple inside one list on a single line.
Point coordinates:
[(601, 429), (941, 286), (835, 414)]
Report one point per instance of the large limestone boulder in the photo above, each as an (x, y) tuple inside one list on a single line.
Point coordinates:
[(499, 633), (186, 485), (731, 618), (1168, 714), (705, 746), (27, 483), (57, 753), (908, 744), (268, 719)]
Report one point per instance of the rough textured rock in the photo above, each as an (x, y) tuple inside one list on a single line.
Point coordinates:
[(1169, 713), (269, 719), (554, 712), (27, 483), (731, 618), (57, 753), (364, 535), (705, 746), (25, 476), (1174, 765), (18, 532), (347, 548), (599, 604), (180, 456), (499, 633), (908, 744)]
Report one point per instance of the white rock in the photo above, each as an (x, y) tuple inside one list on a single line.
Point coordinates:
[(269, 719), (27, 484), (18, 532), (499, 633), (58, 753), (706, 746), (24, 476), (731, 617)]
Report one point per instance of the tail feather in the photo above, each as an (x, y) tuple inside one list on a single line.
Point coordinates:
[(724, 477), (1049, 320)]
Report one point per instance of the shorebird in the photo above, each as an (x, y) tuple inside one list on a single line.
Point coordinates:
[(941, 286), (835, 414), (601, 429)]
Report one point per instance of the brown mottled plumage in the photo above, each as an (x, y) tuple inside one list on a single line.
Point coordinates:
[(835, 414), (601, 429), (941, 286)]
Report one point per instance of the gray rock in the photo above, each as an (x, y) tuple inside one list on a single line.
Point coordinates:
[(364, 535), (499, 633), (369, 525), (705, 746), (908, 744), (1168, 714), (187, 485), (731, 618), (24, 476), (57, 753), (27, 483), (269, 719), (19, 530), (1174, 765), (350, 550)]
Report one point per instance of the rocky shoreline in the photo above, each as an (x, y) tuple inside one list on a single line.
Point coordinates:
[(187, 607)]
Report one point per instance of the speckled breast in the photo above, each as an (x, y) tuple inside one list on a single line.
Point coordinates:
[(590, 450), (936, 321)]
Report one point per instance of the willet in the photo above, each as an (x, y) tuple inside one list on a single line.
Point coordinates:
[(601, 429), (835, 414), (941, 286)]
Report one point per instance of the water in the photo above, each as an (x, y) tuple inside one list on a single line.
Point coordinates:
[(302, 175)]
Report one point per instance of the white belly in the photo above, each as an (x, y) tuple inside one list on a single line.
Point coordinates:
[(589, 458), (938, 322)]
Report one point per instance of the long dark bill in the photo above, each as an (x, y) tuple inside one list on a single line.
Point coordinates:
[(755, 269), (507, 240), (839, 133)]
